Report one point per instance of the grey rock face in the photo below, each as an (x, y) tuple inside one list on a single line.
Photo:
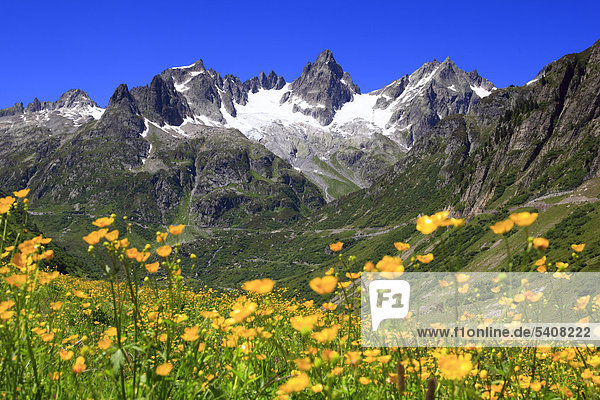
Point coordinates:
[(161, 102), (272, 81), (324, 86), (73, 109), (431, 93), (34, 106), (14, 110), (74, 98), (200, 87)]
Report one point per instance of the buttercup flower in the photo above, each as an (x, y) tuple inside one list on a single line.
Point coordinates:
[(164, 369), (164, 251), (390, 264), (426, 225), (79, 365), (295, 384), (176, 230), (426, 259), (401, 246), (540, 243), (104, 221), (523, 218), (336, 246), (21, 193), (324, 285), (501, 227), (455, 367), (260, 286)]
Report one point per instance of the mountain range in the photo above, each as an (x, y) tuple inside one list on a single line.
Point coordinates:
[(320, 123), (270, 170)]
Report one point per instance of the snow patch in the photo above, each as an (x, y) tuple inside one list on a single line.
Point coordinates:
[(184, 67), (145, 131), (264, 109), (148, 156), (452, 87), (481, 92), (362, 108), (182, 86)]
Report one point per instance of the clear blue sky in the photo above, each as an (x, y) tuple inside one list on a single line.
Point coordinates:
[(52, 46)]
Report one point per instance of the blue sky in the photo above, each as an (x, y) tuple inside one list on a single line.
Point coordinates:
[(50, 47)]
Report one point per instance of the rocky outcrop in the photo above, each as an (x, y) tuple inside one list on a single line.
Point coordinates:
[(434, 91), (71, 99), (267, 82), (322, 89), (161, 103), (14, 110)]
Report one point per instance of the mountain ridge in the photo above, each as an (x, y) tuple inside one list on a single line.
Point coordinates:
[(320, 123)]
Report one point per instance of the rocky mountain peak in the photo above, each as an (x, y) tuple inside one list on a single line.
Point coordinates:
[(122, 116), (14, 110), (34, 106), (73, 98), (161, 102), (198, 66), (324, 57), (122, 98), (322, 89), (263, 81)]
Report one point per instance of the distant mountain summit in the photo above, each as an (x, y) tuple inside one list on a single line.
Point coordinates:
[(321, 89)]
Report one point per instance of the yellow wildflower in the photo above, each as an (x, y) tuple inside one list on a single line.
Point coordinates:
[(523, 218), (305, 324), (390, 264), (427, 258), (327, 334), (103, 222), (104, 343), (164, 251), (112, 235), (6, 203), (191, 334), (501, 227), (260, 286), (295, 384), (540, 243), (164, 369), (455, 367), (401, 246), (578, 247), (152, 268), (65, 355), (79, 365), (21, 193), (426, 225), (336, 246), (176, 230), (323, 285)]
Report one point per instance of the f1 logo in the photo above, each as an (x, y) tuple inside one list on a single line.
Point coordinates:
[(389, 299)]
